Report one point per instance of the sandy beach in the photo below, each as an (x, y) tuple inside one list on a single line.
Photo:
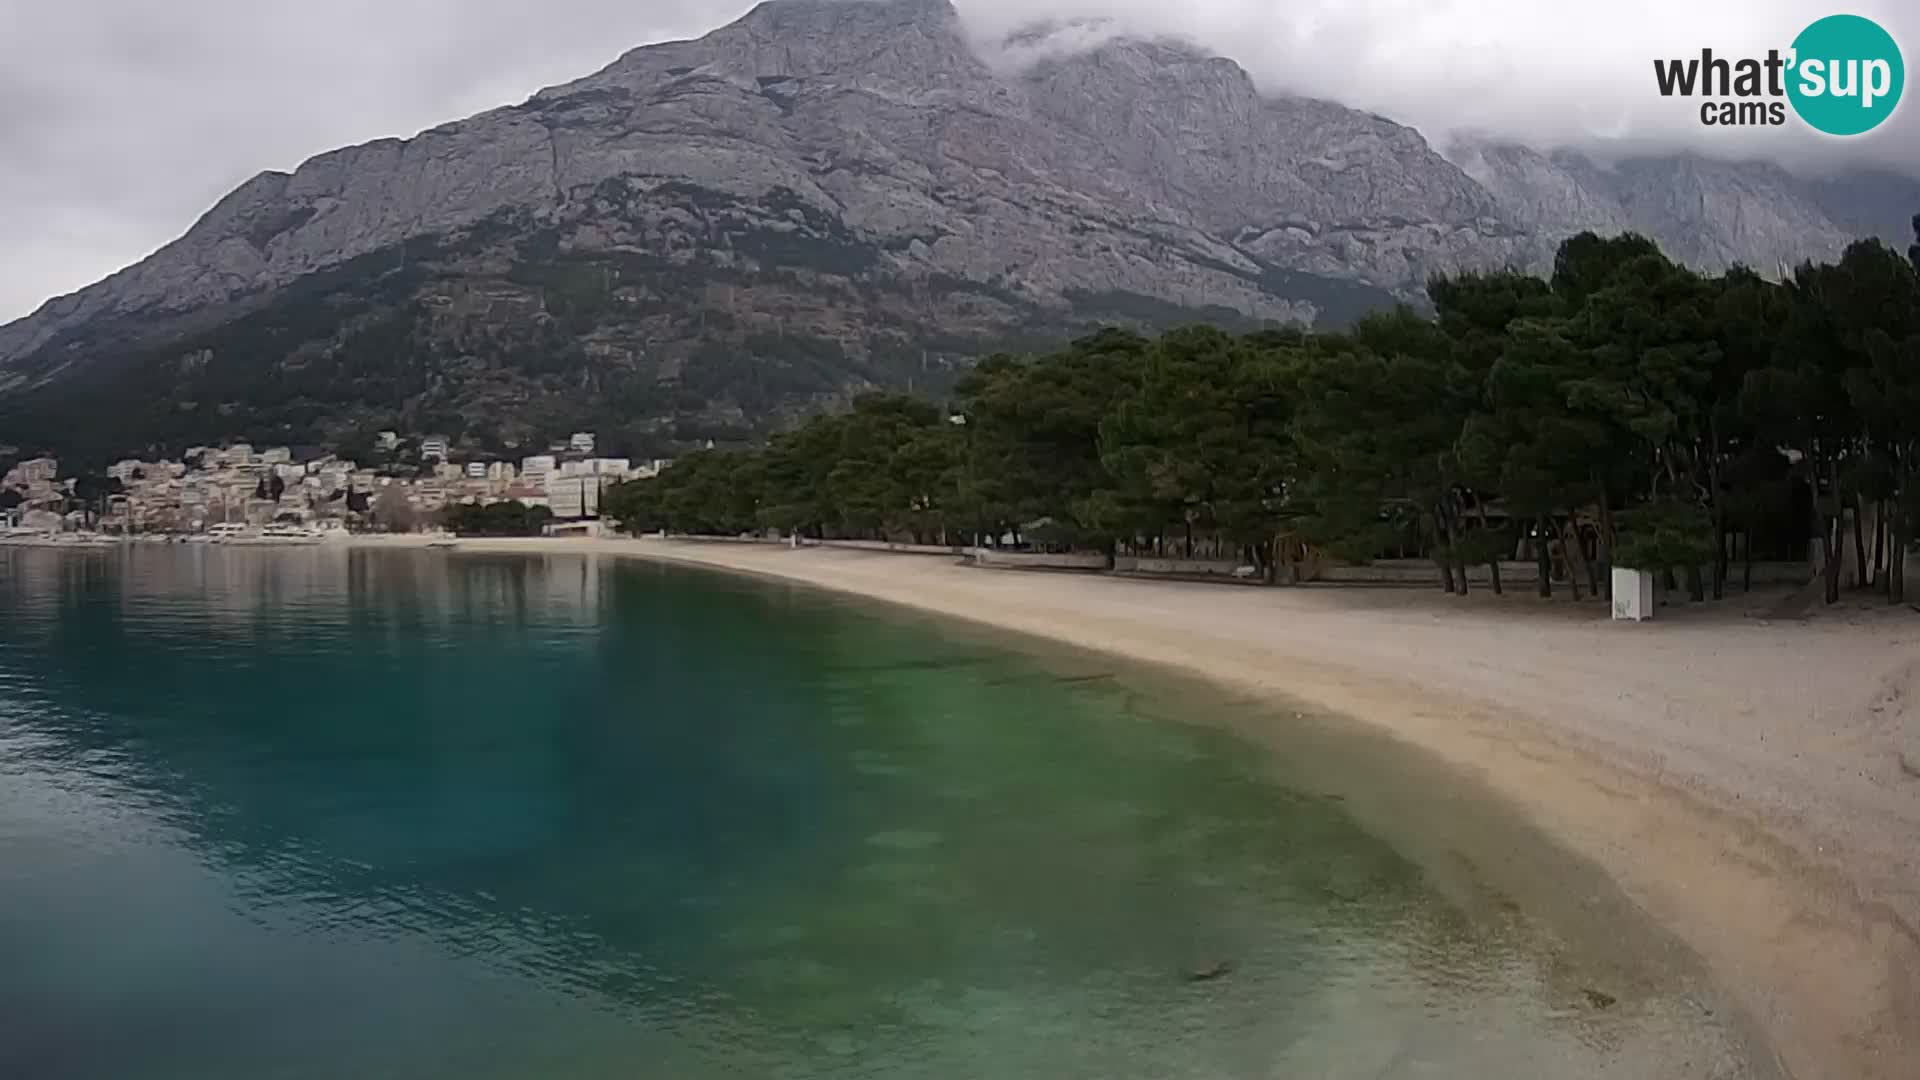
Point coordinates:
[(1752, 785)]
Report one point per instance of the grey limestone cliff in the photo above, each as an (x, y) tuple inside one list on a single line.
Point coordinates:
[(839, 193)]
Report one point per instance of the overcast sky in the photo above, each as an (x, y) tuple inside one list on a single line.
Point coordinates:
[(121, 121)]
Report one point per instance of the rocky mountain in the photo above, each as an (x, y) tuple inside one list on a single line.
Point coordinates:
[(709, 237), (1708, 213)]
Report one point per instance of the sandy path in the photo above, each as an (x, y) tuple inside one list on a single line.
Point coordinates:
[(1742, 781)]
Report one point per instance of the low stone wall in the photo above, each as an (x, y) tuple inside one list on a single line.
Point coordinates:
[(1036, 560), (849, 545), (883, 545), (705, 539), (1130, 564)]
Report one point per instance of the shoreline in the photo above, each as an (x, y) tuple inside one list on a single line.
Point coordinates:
[(1746, 784)]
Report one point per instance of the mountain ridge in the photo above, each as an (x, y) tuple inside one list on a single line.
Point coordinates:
[(866, 180)]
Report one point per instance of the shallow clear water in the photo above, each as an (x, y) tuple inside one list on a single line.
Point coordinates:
[(318, 814)]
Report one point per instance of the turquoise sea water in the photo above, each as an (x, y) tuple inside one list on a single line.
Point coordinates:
[(327, 814)]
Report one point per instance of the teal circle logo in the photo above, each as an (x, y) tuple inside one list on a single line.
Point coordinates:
[(1846, 76)]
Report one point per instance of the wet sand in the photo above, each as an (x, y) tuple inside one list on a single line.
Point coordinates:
[(1752, 785)]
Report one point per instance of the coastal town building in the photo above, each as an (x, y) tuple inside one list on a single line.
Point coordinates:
[(529, 494), (535, 469), (28, 473), (236, 485), (576, 496)]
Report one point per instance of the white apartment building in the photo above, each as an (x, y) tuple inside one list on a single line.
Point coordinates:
[(528, 494), (574, 496), (429, 494), (434, 446), (535, 470), (582, 442), (37, 470)]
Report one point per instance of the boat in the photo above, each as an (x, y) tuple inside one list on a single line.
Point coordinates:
[(45, 538), (276, 535)]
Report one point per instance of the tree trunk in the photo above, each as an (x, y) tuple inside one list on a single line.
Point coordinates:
[(1721, 537), (1897, 566), (1605, 545), (1899, 586), (1880, 546), (1436, 545), (1577, 564), (1834, 540), (1834, 529), (1860, 543), (1719, 557), (1897, 538), (1493, 565), (1719, 517), (1696, 585), (1543, 557), (1746, 560), (1453, 544)]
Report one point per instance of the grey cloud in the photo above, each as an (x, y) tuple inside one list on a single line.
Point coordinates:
[(122, 120), (1546, 73)]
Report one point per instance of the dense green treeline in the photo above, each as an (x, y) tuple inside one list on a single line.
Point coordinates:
[(1626, 411), (512, 518)]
